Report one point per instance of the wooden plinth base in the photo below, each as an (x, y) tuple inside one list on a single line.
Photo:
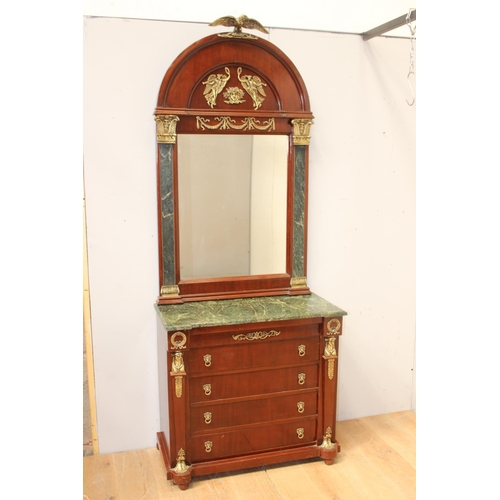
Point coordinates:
[(244, 462)]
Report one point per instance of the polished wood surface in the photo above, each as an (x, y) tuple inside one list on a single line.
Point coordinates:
[(238, 357), (235, 442), (284, 85), (247, 411), (248, 383), (377, 461), (250, 395)]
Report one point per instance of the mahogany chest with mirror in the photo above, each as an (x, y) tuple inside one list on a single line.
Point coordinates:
[(247, 353)]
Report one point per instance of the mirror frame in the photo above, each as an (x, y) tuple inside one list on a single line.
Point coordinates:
[(189, 103)]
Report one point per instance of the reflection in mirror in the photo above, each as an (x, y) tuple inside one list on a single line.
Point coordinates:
[(232, 204)]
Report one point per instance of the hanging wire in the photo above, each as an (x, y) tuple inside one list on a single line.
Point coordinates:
[(411, 70)]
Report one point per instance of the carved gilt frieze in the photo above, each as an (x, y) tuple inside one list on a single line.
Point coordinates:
[(226, 123)]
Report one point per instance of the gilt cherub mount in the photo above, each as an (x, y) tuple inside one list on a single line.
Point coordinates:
[(252, 84)]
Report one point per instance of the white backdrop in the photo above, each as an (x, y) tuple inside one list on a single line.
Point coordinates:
[(361, 252), (355, 16)]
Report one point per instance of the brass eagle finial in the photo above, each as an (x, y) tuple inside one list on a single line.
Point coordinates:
[(238, 23)]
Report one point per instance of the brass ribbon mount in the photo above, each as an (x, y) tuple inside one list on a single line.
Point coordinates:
[(256, 335)]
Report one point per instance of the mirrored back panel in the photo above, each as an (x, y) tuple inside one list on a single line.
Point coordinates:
[(232, 205)]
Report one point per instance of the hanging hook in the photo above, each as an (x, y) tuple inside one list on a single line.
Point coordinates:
[(408, 21), (411, 70), (411, 89)]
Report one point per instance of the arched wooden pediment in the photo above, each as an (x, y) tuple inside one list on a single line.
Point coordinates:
[(233, 76)]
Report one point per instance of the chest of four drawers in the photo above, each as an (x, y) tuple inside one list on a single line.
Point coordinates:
[(252, 389), (246, 395)]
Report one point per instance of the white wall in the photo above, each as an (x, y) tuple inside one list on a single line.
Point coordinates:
[(361, 212), (355, 16)]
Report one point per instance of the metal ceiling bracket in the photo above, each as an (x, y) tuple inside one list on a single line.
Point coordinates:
[(391, 25)]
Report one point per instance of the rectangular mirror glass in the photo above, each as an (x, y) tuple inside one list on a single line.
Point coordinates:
[(232, 204)]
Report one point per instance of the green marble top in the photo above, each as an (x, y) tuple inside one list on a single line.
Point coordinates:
[(249, 310)]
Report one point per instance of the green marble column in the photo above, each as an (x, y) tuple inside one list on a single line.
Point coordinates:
[(299, 195), (167, 213)]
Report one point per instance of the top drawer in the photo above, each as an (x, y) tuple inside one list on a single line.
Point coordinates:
[(252, 355), (256, 333)]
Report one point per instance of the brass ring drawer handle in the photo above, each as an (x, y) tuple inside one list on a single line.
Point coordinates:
[(302, 350), (208, 446), (208, 417), (301, 406), (208, 389), (300, 433), (208, 359), (301, 378)]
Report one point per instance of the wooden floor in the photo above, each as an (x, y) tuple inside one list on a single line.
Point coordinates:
[(377, 461)]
